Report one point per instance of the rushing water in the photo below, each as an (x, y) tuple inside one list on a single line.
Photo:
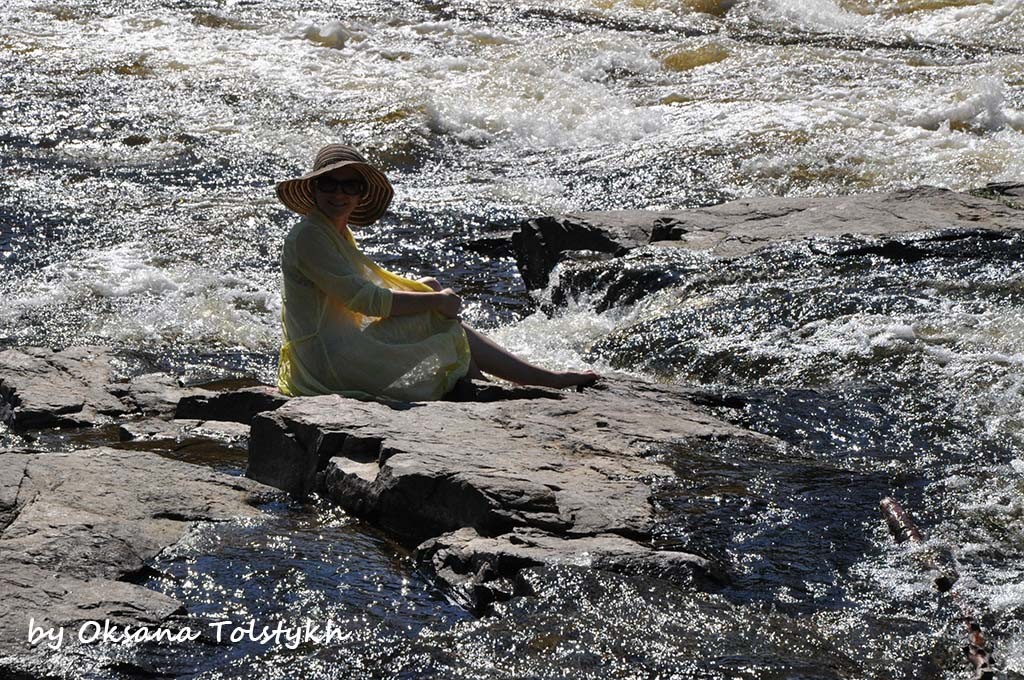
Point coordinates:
[(139, 144)]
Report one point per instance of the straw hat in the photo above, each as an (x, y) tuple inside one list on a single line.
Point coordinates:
[(297, 194)]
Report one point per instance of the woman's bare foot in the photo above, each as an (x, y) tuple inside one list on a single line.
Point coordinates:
[(574, 379)]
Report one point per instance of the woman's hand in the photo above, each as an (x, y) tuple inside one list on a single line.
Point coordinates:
[(430, 281), (451, 303), (445, 302)]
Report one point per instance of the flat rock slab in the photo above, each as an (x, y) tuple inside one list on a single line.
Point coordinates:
[(573, 465), (155, 394), (42, 388), (479, 570), (740, 227), (75, 387), (74, 525)]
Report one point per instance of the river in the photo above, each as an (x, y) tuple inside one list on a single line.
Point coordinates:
[(139, 146)]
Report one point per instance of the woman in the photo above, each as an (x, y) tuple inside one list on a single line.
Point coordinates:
[(351, 327)]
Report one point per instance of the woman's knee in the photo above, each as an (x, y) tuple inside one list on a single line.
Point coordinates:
[(431, 281)]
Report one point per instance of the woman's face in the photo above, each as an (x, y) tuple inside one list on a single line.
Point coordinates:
[(333, 192)]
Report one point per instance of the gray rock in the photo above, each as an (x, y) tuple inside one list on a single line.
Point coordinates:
[(740, 227), (743, 226), (1011, 193), (74, 387), (237, 406), (12, 476), (151, 429), (478, 570), (574, 466), (42, 388), (156, 429), (157, 393), (54, 599), (492, 246), (75, 525)]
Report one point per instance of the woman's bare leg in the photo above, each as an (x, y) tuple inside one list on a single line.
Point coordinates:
[(498, 361), (474, 371)]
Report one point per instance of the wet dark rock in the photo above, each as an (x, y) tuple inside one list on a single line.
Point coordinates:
[(491, 246), (76, 525), (235, 405), (621, 281), (1010, 193), (572, 467), (476, 390), (540, 243), (743, 226), (479, 570), (136, 140)]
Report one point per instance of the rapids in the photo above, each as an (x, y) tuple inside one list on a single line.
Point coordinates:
[(139, 144)]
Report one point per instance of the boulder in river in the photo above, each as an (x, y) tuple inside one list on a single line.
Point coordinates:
[(540, 243), (576, 465)]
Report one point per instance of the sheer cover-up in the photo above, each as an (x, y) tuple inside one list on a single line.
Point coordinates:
[(338, 335)]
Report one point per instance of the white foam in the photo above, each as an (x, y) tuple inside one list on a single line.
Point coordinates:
[(997, 23), (155, 302), (333, 34), (537, 100), (558, 342), (977, 23), (807, 15), (982, 105)]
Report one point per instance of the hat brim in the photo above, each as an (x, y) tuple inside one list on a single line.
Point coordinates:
[(297, 194)]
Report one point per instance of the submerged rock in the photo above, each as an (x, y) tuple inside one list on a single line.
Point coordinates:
[(567, 620), (741, 227), (74, 527), (478, 570)]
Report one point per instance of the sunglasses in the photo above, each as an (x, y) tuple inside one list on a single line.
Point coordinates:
[(349, 187)]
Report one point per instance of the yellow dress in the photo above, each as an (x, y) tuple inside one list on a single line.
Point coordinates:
[(338, 336)]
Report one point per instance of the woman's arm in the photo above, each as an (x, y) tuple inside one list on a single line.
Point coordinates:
[(446, 301), (318, 260)]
